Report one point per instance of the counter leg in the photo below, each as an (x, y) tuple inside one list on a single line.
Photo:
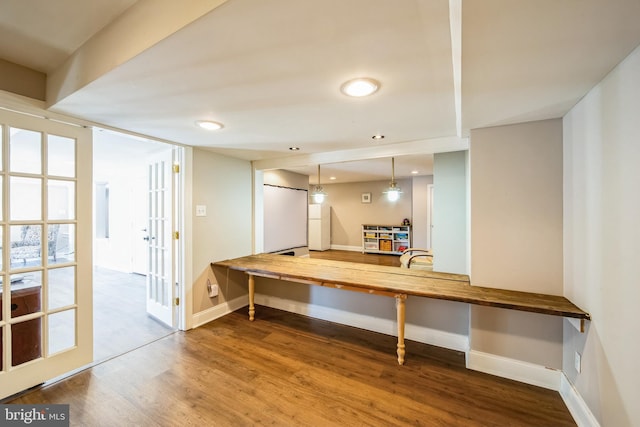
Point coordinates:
[(400, 308), (252, 287)]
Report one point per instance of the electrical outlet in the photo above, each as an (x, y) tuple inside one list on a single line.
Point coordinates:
[(201, 210), (577, 362), (212, 288)]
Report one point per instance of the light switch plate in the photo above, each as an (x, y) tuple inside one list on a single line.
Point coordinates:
[(201, 210)]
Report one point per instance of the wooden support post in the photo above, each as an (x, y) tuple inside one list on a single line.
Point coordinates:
[(400, 308), (252, 288)]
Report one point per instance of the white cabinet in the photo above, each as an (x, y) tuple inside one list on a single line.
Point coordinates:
[(385, 239), (319, 227)]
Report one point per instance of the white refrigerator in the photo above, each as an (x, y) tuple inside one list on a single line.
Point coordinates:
[(319, 227)]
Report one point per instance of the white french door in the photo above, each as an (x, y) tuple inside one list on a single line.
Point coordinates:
[(161, 277), (45, 256)]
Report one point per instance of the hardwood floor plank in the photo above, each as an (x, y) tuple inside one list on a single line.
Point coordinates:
[(289, 370)]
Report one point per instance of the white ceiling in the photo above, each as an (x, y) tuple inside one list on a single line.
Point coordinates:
[(271, 71)]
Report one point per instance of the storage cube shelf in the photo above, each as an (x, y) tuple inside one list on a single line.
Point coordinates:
[(385, 239)]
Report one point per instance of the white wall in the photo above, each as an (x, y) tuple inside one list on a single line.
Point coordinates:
[(516, 237), (282, 178), (601, 243), (122, 162)]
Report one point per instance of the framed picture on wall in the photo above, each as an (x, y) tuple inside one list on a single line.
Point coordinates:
[(366, 197)]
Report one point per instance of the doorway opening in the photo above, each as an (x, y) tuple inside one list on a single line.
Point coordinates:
[(133, 251)]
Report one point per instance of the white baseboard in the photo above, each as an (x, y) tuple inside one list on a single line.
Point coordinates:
[(218, 311), (578, 408), (346, 248), (385, 326), (528, 373)]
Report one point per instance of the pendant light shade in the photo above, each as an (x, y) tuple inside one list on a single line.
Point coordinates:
[(318, 194), (393, 192)]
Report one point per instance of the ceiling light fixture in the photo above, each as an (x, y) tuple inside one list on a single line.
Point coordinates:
[(393, 192), (209, 125), (318, 194), (294, 148), (378, 136), (359, 87)]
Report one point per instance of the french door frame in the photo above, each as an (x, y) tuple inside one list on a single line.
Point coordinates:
[(17, 378), (37, 372)]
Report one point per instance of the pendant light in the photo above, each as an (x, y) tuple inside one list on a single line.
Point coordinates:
[(393, 192), (318, 194)]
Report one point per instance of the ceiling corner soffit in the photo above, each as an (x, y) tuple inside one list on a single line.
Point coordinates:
[(143, 25)]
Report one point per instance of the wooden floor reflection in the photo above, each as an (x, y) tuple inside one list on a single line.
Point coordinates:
[(359, 257)]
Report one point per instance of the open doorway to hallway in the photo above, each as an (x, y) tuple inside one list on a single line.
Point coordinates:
[(125, 241)]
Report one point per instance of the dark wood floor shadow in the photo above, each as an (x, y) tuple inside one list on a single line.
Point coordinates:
[(120, 319), (289, 370)]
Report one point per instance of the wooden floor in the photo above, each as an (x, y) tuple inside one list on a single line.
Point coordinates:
[(289, 370), (120, 319)]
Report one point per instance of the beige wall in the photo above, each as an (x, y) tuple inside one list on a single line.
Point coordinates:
[(450, 212), (601, 237), (223, 185), (348, 213), (22, 80), (516, 236)]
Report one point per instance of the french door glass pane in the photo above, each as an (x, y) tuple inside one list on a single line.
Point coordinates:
[(26, 246), (62, 156), (26, 293), (62, 289), (62, 199), (25, 151), (62, 243), (1, 198), (26, 198), (62, 331), (26, 341)]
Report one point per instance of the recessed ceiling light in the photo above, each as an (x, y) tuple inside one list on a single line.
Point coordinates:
[(363, 86), (332, 178), (209, 125), (377, 136), (294, 148), (415, 172)]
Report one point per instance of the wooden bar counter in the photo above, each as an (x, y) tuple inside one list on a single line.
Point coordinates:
[(396, 282)]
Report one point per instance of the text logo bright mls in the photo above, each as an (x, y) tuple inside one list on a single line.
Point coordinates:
[(34, 415)]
